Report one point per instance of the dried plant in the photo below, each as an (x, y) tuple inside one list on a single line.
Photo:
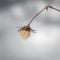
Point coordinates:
[(25, 31)]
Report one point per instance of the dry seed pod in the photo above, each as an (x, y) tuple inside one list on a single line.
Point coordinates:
[(25, 32)]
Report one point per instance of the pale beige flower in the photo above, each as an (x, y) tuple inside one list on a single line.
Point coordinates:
[(25, 32)]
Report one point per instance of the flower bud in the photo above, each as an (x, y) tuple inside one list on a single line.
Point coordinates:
[(24, 34)]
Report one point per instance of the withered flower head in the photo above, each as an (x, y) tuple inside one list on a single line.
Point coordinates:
[(25, 32)]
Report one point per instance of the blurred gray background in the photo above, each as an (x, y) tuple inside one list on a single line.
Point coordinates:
[(42, 45)]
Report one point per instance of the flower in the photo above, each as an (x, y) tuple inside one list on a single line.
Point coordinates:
[(25, 32)]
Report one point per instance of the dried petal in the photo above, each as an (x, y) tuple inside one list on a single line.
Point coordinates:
[(24, 34)]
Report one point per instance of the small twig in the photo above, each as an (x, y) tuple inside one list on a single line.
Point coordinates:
[(37, 15), (46, 7), (54, 8)]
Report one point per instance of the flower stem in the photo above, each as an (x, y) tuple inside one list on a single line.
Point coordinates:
[(54, 8), (36, 15), (46, 7)]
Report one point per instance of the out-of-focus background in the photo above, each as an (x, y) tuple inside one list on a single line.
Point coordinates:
[(42, 45)]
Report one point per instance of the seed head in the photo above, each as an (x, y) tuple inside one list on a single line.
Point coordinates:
[(25, 32)]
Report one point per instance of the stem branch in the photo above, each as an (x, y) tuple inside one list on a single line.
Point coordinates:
[(46, 7)]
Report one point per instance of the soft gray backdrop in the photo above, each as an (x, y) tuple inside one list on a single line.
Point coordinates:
[(42, 45)]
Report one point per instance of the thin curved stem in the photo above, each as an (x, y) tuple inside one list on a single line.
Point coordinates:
[(46, 7), (54, 8), (36, 15)]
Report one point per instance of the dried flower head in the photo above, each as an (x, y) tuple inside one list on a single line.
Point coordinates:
[(25, 32)]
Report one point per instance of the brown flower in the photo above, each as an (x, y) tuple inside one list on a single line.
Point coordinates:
[(25, 32)]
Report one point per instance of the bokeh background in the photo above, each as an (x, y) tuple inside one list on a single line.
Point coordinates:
[(42, 45)]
